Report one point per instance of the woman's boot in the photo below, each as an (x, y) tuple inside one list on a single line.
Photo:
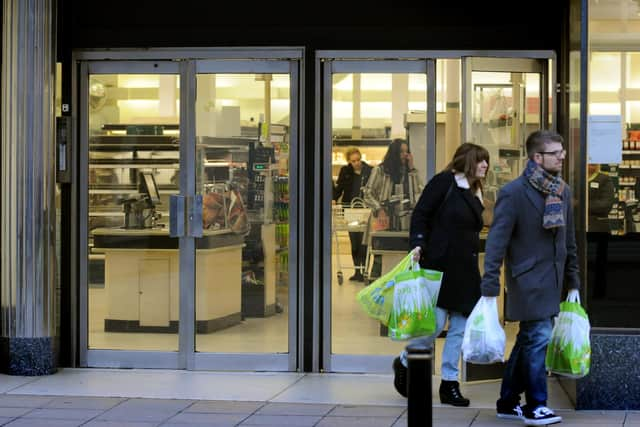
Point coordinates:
[(450, 393)]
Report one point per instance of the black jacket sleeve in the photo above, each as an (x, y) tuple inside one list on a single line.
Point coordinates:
[(423, 216), (338, 189), (601, 204)]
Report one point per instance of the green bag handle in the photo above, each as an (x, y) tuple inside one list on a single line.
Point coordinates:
[(416, 272)]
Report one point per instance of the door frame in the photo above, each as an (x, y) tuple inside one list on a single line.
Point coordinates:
[(506, 64), (330, 66), (545, 67), (184, 63), (322, 359)]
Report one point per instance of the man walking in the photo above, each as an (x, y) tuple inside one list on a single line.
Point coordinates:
[(533, 232)]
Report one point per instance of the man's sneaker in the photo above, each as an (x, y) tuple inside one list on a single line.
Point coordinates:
[(400, 377), (540, 416), (511, 412)]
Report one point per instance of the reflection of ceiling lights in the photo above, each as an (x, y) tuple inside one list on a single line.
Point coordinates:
[(368, 82), (381, 82), (614, 9), (250, 81), (138, 80)]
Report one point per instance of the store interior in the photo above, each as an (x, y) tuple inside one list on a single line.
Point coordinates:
[(242, 137), (242, 175), (242, 152)]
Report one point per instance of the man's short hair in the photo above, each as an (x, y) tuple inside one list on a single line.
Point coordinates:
[(537, 140)]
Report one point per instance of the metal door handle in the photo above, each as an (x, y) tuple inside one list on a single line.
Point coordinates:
[(185, 216), (194, 222)]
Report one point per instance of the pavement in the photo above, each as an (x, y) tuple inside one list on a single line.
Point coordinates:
[(145, 398)]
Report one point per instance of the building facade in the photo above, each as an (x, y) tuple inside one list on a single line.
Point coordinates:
[(176, 203)]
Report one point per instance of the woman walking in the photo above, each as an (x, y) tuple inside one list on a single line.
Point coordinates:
[(445, 235)]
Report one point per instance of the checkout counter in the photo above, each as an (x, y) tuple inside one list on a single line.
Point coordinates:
[(142, 271), (142, 279)]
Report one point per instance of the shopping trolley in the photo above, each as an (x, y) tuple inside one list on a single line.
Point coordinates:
[(354, 218)]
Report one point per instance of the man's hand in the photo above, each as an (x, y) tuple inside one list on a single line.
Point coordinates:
[(416, 254)]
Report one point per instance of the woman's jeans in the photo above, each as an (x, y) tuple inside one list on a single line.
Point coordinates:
[(525, 370), (452, 344)]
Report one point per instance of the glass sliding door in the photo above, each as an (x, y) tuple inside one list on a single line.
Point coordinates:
[(243, 136), (130, 149), (504, 100), (370, 108), (188, 215)]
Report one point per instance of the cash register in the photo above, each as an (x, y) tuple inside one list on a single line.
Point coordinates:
[(140, 212)]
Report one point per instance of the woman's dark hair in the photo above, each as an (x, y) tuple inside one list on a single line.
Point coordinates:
[(466, 159), (392, 163)]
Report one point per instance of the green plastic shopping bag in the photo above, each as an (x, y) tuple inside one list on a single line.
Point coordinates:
[(415, 295), (377, 298), (569, 350)]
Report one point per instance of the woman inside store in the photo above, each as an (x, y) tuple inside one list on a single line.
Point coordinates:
[(351, 180), (394, 180), (445, 235)]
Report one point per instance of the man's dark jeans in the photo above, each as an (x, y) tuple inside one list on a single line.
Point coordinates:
[(525, 370)]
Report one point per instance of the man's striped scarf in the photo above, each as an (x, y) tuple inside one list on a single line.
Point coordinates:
[(551, 187)]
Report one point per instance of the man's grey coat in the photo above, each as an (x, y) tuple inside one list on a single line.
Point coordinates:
[(537, 261)]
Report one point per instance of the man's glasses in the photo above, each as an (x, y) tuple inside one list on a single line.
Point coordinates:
[(557, 153)]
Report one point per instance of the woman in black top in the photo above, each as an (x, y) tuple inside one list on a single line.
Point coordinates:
[(351, 179), (445, 235)]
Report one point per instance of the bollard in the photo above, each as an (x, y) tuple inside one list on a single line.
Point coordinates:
[(419, 406)]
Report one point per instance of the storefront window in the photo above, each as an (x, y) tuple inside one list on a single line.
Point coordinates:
[(375, 116), (134, 162), (613, 188), (242, 259)]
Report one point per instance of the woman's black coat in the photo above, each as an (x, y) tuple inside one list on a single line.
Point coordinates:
[(449, 238), (345, 180)]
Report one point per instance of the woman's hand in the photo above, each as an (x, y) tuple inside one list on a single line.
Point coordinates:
[(410, 161), (416, 254)]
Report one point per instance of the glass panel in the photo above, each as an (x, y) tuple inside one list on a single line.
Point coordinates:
[(448, 124), (370, 113), (133, 168), (613, 212), (505, 109), (605, 72), (242, 267), (632, 70)]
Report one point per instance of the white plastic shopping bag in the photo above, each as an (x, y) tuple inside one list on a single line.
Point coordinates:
[(484, 339), (569, 350)]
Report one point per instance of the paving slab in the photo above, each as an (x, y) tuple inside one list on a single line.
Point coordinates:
[(367, 411), (80, 402), (206, 419), (23, 401), (357, 422), (63, 414), (10, 382), (294, 409), (145, 410), (282, 420), (225, 407)]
